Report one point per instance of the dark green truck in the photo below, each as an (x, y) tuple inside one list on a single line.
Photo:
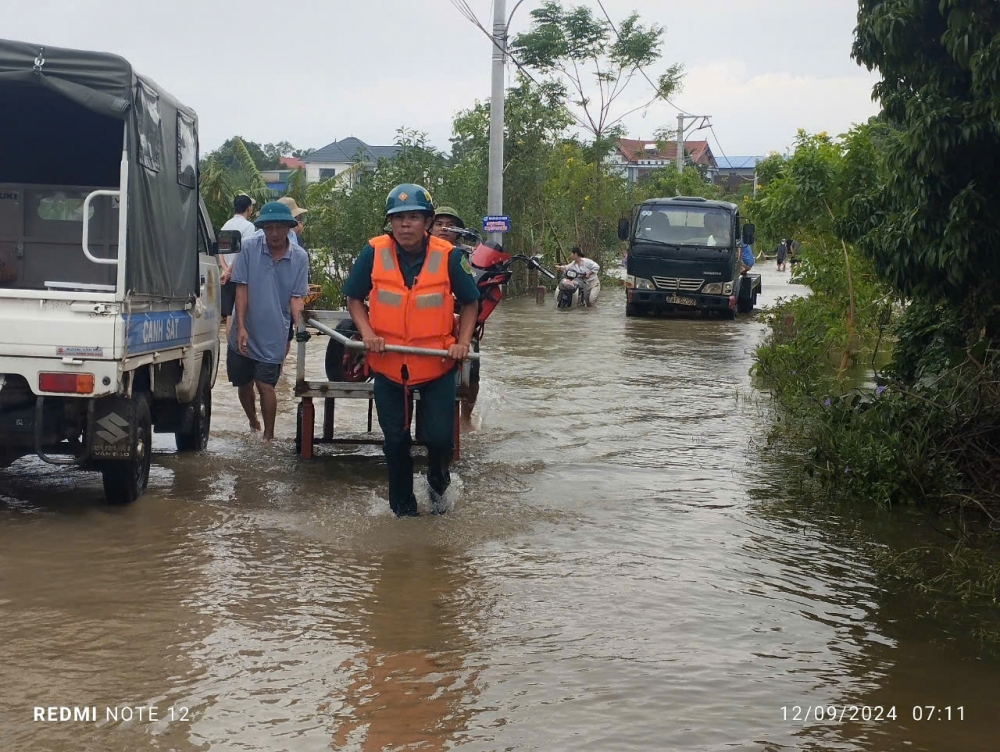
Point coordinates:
[(684, 255)]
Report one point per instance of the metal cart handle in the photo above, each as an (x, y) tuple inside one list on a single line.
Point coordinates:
[(354, 344)]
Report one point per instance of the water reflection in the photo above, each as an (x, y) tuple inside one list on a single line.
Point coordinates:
[(412, 684)]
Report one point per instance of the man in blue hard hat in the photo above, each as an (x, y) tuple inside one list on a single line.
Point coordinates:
[(271, 273), (409, 278)]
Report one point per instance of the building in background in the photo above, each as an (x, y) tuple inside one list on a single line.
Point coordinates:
[(633, 158), (277, 180), (735, 172), (346, 157)]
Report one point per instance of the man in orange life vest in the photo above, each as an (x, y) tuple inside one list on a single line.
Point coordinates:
[(409, 278)]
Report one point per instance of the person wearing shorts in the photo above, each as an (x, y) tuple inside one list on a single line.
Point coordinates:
[(271, 276)]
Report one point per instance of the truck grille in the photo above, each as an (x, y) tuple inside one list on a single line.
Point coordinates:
[(673, 283)]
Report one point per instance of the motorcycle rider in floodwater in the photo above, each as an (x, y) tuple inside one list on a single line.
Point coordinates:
[(409, 278), (587, 269)]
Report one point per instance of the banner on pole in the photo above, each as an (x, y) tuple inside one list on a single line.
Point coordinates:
[(496, 223)]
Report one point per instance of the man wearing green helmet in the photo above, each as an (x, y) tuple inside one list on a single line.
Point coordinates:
[(411, 280), (445, 218)]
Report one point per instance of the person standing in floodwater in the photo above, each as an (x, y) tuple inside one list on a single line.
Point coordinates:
[(409, 278), (271, 274), (781, 255)]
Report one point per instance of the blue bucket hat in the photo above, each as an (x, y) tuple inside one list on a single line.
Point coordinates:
[(275, 212)]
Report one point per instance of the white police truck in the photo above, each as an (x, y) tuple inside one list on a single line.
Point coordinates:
[(109, 294)]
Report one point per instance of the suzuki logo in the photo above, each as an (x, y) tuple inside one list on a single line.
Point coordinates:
[(113, 425)]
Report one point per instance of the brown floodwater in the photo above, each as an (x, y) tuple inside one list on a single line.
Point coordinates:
[(622, 570)]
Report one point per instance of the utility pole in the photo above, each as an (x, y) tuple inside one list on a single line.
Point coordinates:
[(680, 144), (680, 135), (494, 201)]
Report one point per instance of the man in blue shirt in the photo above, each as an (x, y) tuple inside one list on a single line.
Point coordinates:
[(410, 212), (271, 274), (746, 256)]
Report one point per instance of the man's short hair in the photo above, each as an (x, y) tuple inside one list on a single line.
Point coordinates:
[(241, 203)]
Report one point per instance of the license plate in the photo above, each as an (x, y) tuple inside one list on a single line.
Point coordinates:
[(680, 300)]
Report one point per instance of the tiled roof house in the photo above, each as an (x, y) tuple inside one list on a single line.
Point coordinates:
[(339, 156), (635, 157)]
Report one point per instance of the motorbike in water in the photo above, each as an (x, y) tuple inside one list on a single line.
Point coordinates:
[(492, 268), (572, 284)]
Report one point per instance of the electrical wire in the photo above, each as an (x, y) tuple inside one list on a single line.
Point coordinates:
[(728, 160), (463, 7), (665, 99), (639, 67)]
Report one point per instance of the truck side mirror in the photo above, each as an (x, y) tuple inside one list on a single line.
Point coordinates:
[(624, 226), (229, 241), (749, 233)]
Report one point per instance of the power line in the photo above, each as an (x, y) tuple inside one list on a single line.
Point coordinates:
[(639, 67), (463, 7), (665, 99), (728, 160)]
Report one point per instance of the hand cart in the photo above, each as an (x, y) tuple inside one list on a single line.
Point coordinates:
[(308, 391)]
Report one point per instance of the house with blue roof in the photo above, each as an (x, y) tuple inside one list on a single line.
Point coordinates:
[(733, 172), (345, 157)]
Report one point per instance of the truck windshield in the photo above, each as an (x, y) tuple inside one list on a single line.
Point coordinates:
[(684, 225)]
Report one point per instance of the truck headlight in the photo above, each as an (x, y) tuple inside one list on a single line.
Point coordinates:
[(629, 281), (644, 284), (727, 288), (715, 288)]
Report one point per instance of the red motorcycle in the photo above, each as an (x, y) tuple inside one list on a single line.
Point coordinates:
[(492, 268)]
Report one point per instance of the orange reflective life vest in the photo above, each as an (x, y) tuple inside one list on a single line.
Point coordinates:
[(418, 316)]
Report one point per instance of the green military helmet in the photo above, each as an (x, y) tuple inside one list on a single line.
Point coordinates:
[(409, 197), (447, 211)]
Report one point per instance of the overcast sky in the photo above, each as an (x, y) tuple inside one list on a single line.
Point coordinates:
[(313, 71)]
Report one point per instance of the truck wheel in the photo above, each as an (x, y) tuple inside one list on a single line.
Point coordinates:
[(196, 440), (126, 480), (633, 309)]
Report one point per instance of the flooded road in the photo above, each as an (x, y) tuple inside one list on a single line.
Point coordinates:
[(622, 571)]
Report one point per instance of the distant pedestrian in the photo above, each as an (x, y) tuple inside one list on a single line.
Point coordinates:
[(747, 259), (240, 221), (781, 255), (271, 274), (793, 252)]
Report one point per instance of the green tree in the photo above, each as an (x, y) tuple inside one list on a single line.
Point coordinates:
[(534, 121), (939, 61), (812, 196), (230, 155), (595, 61), (274, 153), (225, 174)]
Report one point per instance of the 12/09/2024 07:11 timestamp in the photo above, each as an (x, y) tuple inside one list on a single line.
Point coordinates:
[(866, 713)]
